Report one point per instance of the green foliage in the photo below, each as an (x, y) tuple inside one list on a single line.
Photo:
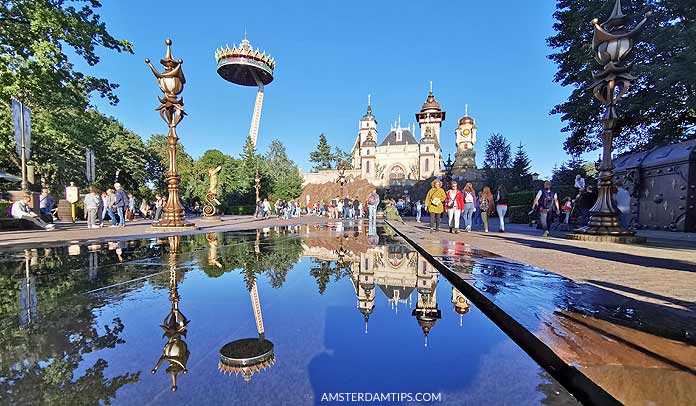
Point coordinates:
[(35, 69), (341, 156), (322, 157), (660, 106), (497, 160), (564, 176), (520, 177), (284, 174), (157, 164)]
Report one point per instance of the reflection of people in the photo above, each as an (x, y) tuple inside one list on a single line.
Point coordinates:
[(213, 173), (21, 210)]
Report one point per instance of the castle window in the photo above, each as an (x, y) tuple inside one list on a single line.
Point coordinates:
[(427, 165), (367, 167), (368, 152), (427, 149), (397, 173)]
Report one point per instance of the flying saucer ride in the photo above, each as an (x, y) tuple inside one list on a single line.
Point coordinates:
[(242, 65)]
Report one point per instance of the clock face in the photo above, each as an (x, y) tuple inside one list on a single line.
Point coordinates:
[(466, 132)]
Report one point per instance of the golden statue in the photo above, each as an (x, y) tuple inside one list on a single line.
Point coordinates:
[(211, 200)]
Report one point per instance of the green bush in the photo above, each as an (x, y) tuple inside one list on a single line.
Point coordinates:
[(518, 214), (238, 210), (5, 209), (526, 198)]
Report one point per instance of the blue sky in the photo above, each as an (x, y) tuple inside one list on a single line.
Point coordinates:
[(329, 56)]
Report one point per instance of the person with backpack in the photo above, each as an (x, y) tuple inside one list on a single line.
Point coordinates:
[(454, 204), (547, 202), (501, 206), (486, 206), (567, 208), (372, 203)]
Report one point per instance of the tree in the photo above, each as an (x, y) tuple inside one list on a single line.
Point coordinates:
[(322, 157), (564, 176), (660, 106), (284, 174), (521, 178), (341, 156), (498, 155), (497, 161), (34, 68), (157, 165)]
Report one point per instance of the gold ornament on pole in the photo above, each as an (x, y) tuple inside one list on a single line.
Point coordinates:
[(171, 82)]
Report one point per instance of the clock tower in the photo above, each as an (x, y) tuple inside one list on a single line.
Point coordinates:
[(465, 157)]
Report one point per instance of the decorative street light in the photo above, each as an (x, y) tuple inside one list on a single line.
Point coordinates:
[(449, 166), (171, 83), (612, 42), (257, 186), (341, 176)]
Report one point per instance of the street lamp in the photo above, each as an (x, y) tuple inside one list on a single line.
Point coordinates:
[(612, 42), (171, 83), (341, 176), (449, 166), (257, 186)]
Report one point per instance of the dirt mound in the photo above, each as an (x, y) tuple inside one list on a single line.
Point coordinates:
[(329, 190)]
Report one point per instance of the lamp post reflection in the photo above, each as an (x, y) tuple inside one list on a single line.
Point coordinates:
[(27, 294), (175, 324)]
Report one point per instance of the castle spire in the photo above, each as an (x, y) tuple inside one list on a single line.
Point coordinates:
[(431, 87), (466, 110)]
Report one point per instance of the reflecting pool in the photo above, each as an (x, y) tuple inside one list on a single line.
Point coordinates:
[(299, 315)]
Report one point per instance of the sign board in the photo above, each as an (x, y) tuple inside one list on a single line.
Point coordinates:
[(89, 170), (21, 117), (72, 194)]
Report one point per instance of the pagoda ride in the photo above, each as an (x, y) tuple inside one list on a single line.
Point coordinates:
[(242, 65)]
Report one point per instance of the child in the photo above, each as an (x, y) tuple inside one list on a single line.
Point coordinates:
[(567, 208)]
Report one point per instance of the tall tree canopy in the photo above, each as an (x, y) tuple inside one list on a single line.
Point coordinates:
[(322, 157), (521, 178), (498, 154), (660, 107), (34, 68), (285, 175)]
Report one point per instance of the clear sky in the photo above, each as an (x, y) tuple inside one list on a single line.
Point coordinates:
[(329, 56)]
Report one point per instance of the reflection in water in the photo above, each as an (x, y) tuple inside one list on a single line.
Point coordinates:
[(248, 356), (213, 258), (175, 324), (27, 294), (461, 303)]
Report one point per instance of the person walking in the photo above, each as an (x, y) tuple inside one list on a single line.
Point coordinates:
[(486, 206), (567, 209), (91, 202), (21, 210), (108, 203), (469, 205), (266, 208), (585, 202), (159, 204), (501, 206), (130, 213), (356, 208), (434, 204), (419, 209), (547, 202), (346, 207), (454, 204), (372, 204), (121, 204)]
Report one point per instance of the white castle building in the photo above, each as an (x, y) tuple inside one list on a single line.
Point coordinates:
[(402, 159)]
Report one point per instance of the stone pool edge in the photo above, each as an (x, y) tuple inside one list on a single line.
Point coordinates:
[(578, 384)]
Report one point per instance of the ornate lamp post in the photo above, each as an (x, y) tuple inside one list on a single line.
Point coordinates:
[(257, 186), (612, 42), (341, 180), (449, 166), (171, 83)]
